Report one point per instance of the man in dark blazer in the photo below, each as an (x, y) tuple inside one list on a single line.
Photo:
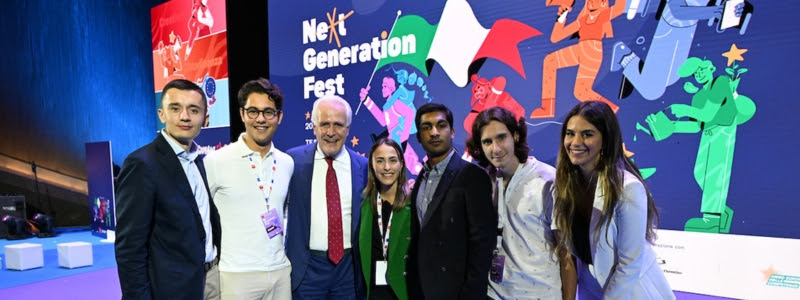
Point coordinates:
[(168, 231), (453, 219), (311, 240)]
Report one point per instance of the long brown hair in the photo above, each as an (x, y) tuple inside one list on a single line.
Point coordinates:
[(371, 190), (571, 186)]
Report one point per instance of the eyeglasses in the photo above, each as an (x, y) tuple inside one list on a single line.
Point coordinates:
[(269, 113)]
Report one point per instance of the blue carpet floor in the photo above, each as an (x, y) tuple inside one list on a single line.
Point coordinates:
[(103, 255)]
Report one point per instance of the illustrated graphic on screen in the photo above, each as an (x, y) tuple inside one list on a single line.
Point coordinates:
[(717, 109), (669, 46), (200, 22), (102, 214), (397, 113), (487, 94), (189, 39), (592, 25), (171, 57), (209, 87), (459, 43)]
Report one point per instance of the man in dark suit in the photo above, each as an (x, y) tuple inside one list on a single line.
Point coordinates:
[(324, 208), (453, 219), (168, 231)]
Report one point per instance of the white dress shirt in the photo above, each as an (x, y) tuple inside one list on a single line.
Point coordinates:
[(198, 189), (318, 237)]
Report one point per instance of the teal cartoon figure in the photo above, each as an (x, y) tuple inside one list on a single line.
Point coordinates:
[(715, 112)]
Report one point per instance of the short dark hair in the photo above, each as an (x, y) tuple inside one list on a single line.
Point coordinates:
[(433, 107), (261, 86), (513, 124), (184, 85)]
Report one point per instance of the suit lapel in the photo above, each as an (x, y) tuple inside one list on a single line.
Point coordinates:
[(398, 245), (307, 171), (356, 182), (414, 192), (365, 241), (202, 168), (442, 187), (213, 214), (597, 210), (174, 170)]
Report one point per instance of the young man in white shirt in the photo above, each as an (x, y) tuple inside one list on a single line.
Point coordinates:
[(524, 264), (249, 180)]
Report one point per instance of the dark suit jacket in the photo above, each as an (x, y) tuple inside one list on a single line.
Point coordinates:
[(299, 218), (160, 240), (450, 252), (399, 239)]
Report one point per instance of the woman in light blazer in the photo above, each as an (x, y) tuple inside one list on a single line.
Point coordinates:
[(385, 212), (604, 211)]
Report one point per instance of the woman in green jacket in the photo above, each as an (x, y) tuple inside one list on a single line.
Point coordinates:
[(385, 223)]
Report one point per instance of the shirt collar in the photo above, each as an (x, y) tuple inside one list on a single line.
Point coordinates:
[(439, 168), (191, 155), (320, 155), (246, 151)]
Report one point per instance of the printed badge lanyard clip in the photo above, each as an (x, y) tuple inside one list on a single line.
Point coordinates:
[(259, 183), (385, 237), (500, 213)]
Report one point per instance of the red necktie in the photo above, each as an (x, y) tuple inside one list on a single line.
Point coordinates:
[(335, 244)]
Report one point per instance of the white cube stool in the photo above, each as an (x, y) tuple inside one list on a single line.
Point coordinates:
[(75, 254), (24, 256)]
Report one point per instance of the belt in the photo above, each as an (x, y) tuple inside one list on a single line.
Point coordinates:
[(325, 253), (207, 266)]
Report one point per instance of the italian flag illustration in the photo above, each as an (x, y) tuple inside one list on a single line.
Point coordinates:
[(458, 41)]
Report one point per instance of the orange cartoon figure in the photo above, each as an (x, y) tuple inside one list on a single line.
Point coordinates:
[(592, 25), (170, 57), (562, 4), (487, 94)]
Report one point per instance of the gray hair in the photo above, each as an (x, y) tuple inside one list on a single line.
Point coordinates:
[(331, 99)]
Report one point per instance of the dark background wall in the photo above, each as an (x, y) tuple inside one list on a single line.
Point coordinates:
[(80, 71), (74, 72), (248, 54)]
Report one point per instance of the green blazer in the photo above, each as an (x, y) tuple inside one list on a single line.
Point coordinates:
[(399, 238)]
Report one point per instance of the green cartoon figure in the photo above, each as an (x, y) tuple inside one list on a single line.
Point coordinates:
[(716, 111)]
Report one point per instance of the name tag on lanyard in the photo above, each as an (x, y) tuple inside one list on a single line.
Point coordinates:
[(271, 220), (380, 272), (499, 260), (272, 223), (498, 264), (382, 265)]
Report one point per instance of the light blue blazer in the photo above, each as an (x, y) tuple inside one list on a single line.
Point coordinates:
[(624, 264)]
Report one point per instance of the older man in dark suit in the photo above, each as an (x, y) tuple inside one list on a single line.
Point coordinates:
[(168, 230), (453, 227), (324, 208)]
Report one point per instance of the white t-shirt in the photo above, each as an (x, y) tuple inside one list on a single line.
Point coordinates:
[(246, 247)]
